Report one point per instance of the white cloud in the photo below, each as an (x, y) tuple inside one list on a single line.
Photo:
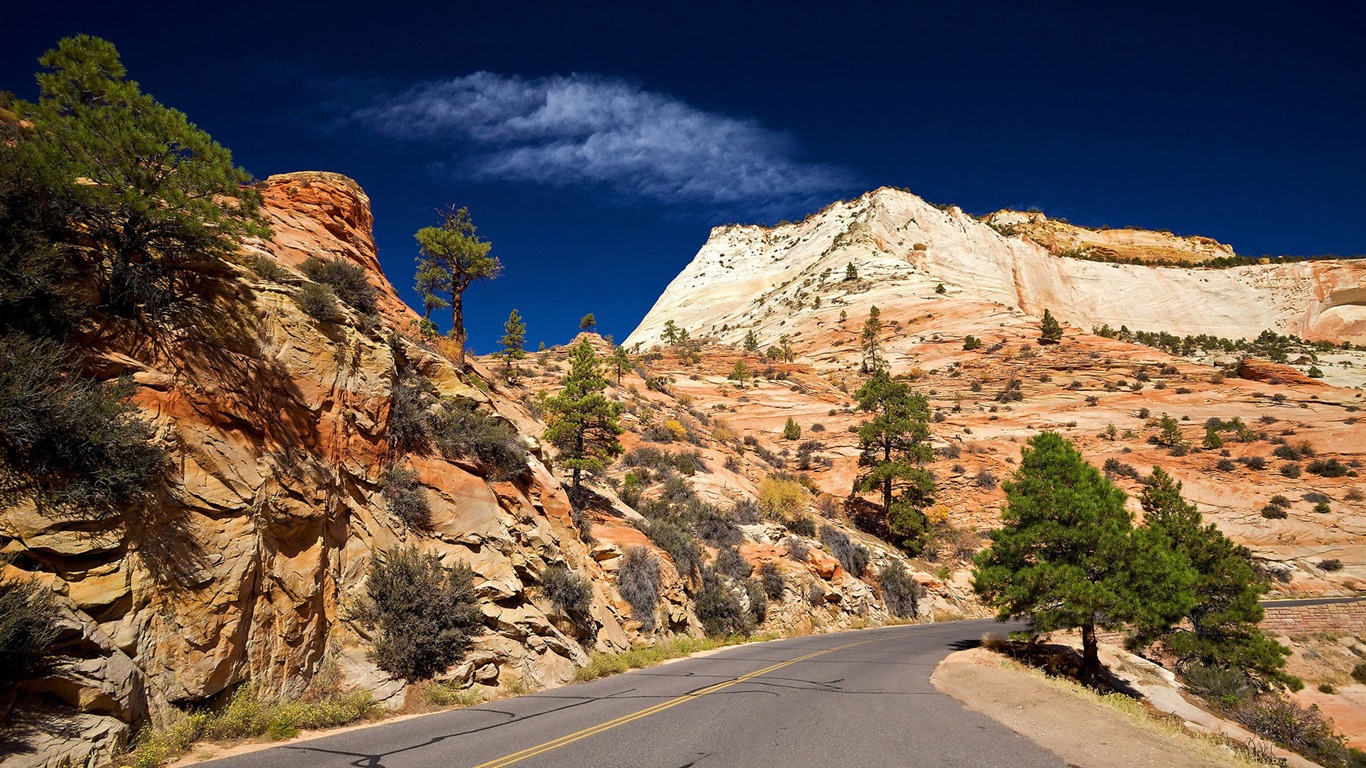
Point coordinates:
[(576, 130)]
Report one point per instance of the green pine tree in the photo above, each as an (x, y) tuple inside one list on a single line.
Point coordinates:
[(871, 341), (620, 362), (791, 430), (154, 199), (513, 345), (895, 444), (588, 322), (672, 334), (456, 252), (582, 422), (1050, 330), (850, 273), (751, 341), (1212, 439), (1068, 557), (1223, 630)]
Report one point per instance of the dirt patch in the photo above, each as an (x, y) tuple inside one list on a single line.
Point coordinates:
[(1052, 716)]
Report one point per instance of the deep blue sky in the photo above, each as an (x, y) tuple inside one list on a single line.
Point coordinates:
[(1243, 122)]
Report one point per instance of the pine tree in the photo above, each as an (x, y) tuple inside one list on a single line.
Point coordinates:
[(1224, 629), (871, 341), (850, 273), (1170, 434), (1212, 439), (1068, 556), (1050, 330), (791, 430), (513, 344), (588, 322), (582, 422), (620, 362), (751, 341), (456, 252), (153, 197), (673, 335), (895, 443)]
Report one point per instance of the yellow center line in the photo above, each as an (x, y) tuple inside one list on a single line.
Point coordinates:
[(517, 757)]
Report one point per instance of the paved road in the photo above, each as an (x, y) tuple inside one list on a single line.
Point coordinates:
[(1310, 601), (850, 699)]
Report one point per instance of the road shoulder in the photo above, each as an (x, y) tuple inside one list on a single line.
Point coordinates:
[(1073, 724)]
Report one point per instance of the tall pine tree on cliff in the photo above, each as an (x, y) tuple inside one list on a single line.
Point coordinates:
[(452, 258), (582, 422), (154, 199)]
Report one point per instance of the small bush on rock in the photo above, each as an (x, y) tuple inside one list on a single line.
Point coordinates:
[(638, 581), (569, 593), (853, 557), (406, 498), (318, 302), (900, 592), (28, 627), (771, 577), (347, 281), (426, 614)]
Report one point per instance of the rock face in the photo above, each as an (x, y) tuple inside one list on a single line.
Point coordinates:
[(748, 277), (244, 568)]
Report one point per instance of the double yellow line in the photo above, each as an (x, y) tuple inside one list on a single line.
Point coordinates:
[(517, 757)]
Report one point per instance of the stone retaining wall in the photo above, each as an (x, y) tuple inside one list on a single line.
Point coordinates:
[(1330, 619)]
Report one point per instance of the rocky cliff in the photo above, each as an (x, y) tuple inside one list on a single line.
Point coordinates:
[(903, 248), (245, 566)]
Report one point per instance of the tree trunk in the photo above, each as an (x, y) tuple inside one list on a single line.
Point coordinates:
[(1090, 655), (458, 329), (887, 483)]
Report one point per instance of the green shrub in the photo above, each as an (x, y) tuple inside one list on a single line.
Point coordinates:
[(318, 302), (426, 614), (347, 281), (1359, 672), (971, 343), (1327, 468), (791, 430), (267, 268), (460, 430), (745, 512), (78, 445), (1291, 471), (1330, 565), (406, 498), (900, 592), (569, 593), (718, 609), (1228, 687), (638, 581), (718, 531), (758, 601), (729, 562), (802, 526), (1303, 730), (771, 577), (679, 544), (28, 627), (1272, 512), (853, 557)]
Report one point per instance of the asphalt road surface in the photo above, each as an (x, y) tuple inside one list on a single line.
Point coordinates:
[(850, 699)]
